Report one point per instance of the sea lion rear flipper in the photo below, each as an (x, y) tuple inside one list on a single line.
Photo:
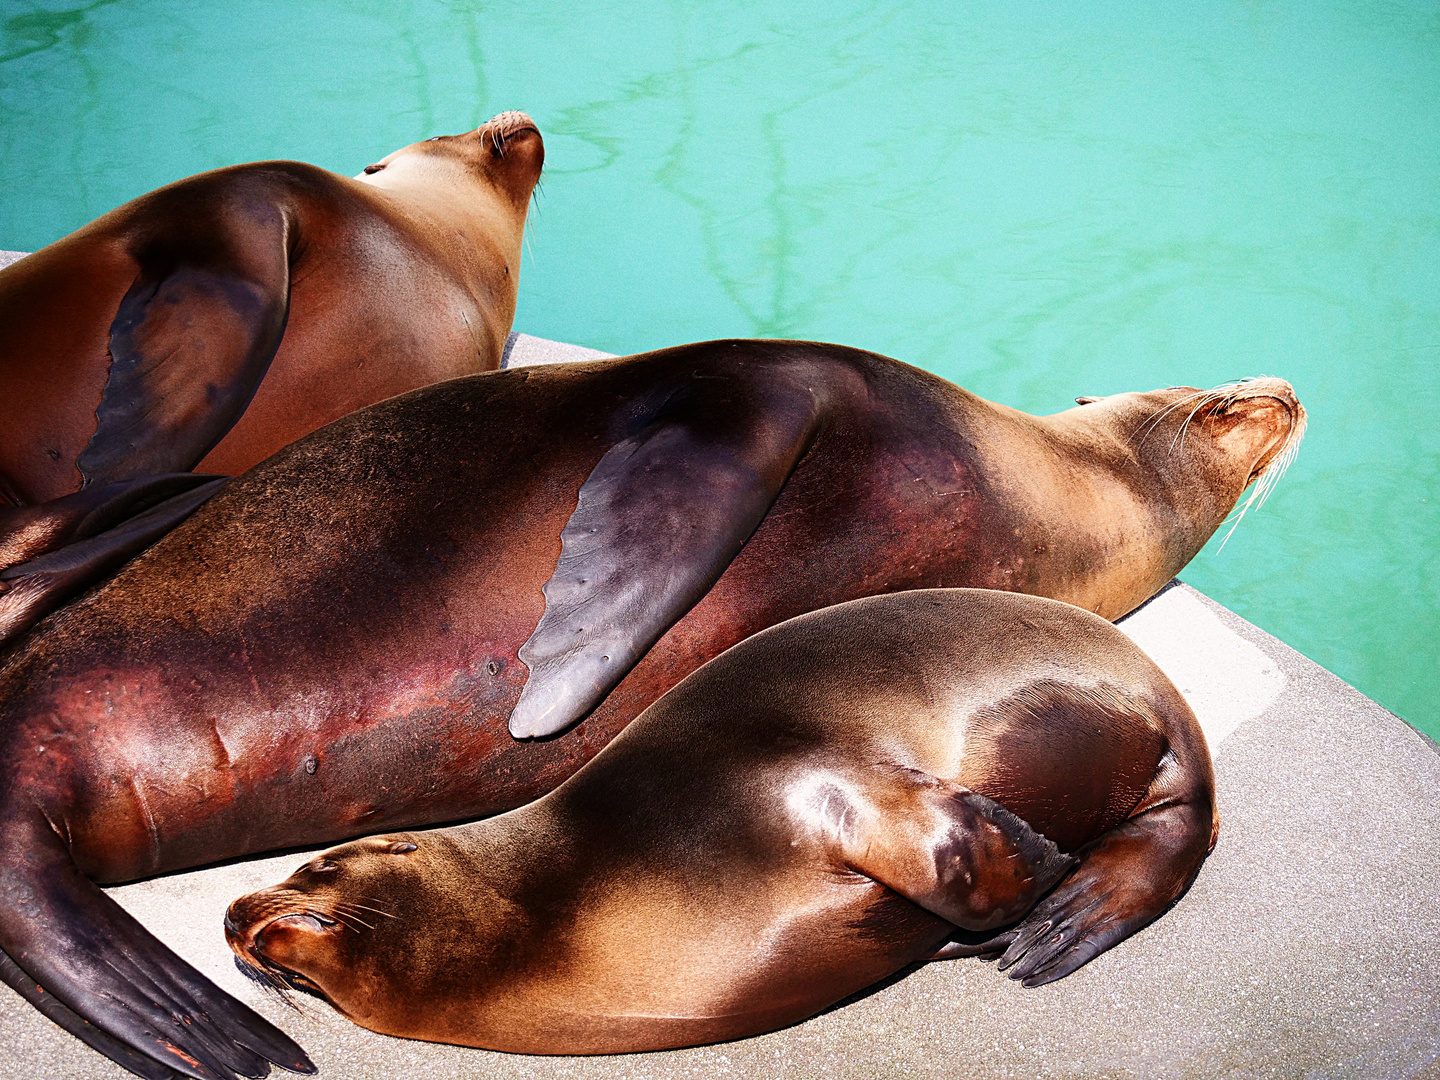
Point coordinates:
[(657, 522), (1125, 880), (952, 851), (192, 339), (86, 1032), (27, 532), (106, 969), (31, 590)]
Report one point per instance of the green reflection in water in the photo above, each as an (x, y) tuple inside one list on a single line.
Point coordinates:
[(1035, 201)]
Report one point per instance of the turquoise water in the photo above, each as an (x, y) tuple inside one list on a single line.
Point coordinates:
[(1034, 200)]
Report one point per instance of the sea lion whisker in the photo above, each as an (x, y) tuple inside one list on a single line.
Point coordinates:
[(1151, 422), (366, 907), (355, 916), (1179, 439), (1210, 397), (347, 919), (270, 981)]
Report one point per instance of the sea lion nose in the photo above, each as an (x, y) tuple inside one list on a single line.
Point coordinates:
[(238, 918), (1268, 386), (507, 123)]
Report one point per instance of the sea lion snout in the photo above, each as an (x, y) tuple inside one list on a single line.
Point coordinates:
[(507, 152), (286, 939), (507, 124), (1259, 421), (257, 923)]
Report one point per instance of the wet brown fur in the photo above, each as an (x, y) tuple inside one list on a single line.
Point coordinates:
[(329, 646), (401, 277), (761, 842)]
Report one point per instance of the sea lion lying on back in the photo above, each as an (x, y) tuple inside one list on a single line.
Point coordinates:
[(211, 322), (806, 814), (333, 644)]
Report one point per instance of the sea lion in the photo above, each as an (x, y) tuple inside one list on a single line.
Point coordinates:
[(211, 322), (333, 644), (806, 814)]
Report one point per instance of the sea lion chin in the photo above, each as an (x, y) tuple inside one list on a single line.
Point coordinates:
[(1022, 776)]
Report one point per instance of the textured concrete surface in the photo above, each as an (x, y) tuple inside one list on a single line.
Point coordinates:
[(8, 257), (522, 350), (1309, 946)]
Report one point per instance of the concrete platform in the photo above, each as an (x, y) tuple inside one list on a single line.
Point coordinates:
[(1308, 947)]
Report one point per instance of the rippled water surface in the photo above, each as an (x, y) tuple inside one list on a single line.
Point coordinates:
[(1034, 200)]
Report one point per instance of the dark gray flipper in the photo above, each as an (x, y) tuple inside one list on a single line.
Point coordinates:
[(190, 343), (657, 522), (1124, 880), (31, 590), (105, 969), (86, 1032)]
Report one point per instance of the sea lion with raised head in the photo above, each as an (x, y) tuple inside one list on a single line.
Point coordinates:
[(333, 644), (803, 816), (211, 322)]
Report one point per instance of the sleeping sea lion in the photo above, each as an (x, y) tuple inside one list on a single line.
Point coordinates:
[(211, 322), (803, 816), (333, 644)]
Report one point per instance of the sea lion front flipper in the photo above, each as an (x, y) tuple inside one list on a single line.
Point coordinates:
[(105, 968), (192, 339), (1125, 880), (31, 590), (657, 522), (950, 850)]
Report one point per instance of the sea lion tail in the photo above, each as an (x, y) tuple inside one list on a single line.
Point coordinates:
[(87, 964)]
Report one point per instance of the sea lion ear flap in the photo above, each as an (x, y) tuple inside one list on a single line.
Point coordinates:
[(192, 339), (657, 522)]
